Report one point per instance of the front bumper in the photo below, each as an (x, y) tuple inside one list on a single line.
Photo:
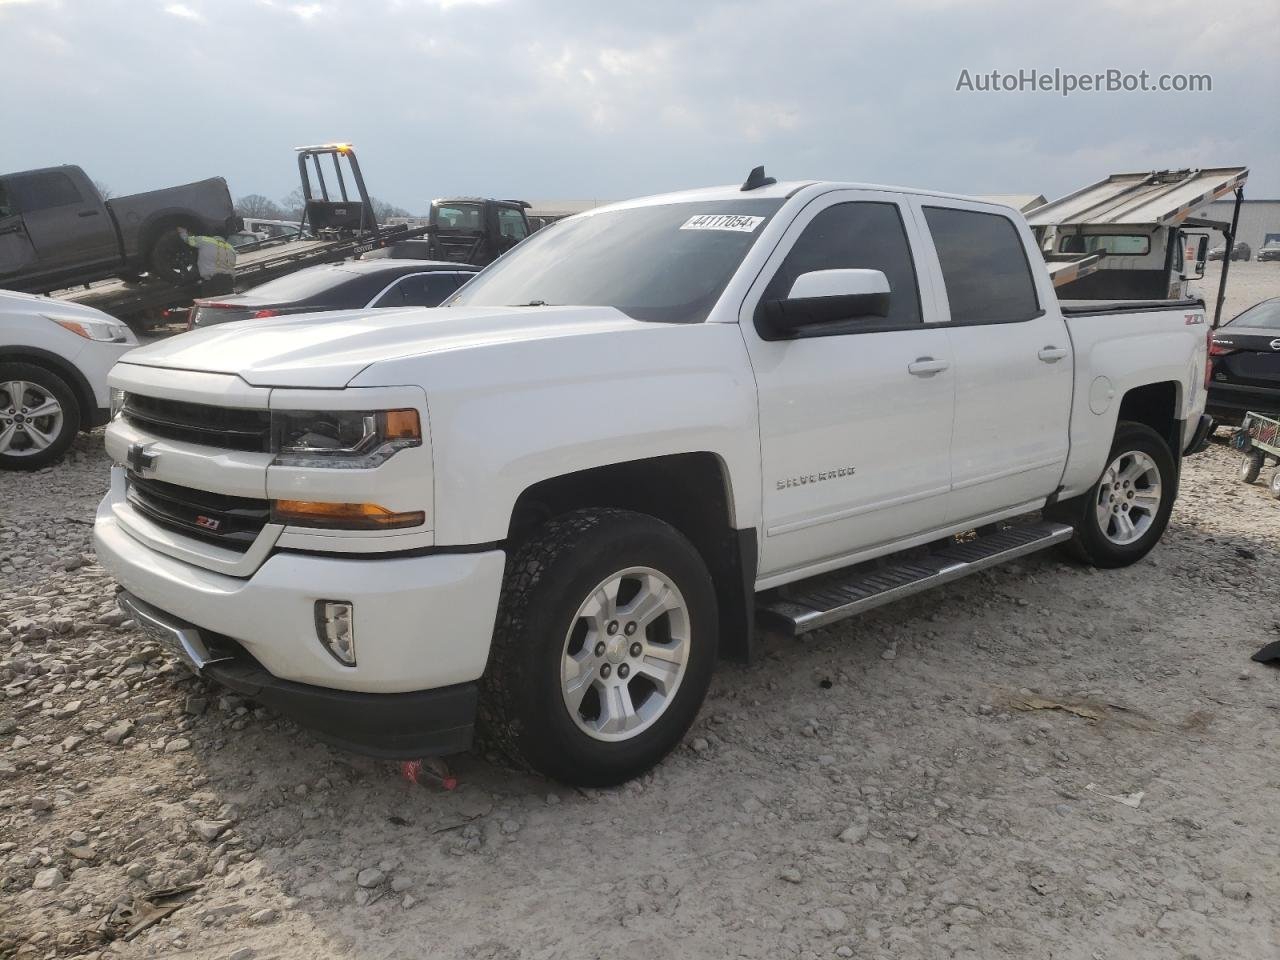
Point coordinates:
[(419, 621), (398, 726), (422, 627)]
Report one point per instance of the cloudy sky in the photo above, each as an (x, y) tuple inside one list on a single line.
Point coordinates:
[(585, 99)]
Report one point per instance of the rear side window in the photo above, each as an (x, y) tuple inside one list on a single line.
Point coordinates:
[(41, 191), (511, 224), (863, 235), (984, 265), (421, 290)]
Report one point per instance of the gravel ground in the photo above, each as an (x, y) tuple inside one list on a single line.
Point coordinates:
[(1041, 761)]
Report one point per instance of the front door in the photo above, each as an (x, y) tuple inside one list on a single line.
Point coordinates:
[(65, 227), (855, 426), (1012, 359)]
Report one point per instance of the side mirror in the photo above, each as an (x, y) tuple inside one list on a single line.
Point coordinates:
[(821, 298), (1201, 254)]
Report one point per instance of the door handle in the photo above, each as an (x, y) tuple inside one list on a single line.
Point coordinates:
[(87, 213), (927, 366), (1052, 354), (16, 228)]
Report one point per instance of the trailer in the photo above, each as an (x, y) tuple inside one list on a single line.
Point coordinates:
[(341, 219), (1131, 236)]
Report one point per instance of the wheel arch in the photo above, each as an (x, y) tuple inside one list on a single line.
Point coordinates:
[(155, 226), (1157, 405), (64, 369), (690, 491)]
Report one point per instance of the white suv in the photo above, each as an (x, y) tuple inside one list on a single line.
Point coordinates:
[(54, 358)]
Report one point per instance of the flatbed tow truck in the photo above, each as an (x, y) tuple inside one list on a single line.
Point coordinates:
[(1133, 236), (343, 227)]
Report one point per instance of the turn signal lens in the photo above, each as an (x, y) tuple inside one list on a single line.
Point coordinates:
[(343, 516), (402, 425)]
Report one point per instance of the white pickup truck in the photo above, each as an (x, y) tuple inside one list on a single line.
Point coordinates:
[(557, 500)]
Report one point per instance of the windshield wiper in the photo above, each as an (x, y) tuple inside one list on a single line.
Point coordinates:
[(532, 303)]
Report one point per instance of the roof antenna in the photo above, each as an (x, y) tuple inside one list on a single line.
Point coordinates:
[(756, 179)]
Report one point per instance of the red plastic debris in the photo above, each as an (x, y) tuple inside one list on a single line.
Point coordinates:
[(432, 768)]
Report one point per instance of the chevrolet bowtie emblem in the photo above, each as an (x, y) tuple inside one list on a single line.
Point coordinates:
[(139, 458)]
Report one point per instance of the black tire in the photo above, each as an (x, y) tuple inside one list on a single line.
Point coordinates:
[(1275, 484), (15, 456), (1251, 465), (171, 260), (1091, 544), (523, 710)]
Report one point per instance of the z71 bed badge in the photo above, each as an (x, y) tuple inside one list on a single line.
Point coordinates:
[(808, 478)]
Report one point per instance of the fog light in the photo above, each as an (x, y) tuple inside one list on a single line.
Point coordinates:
[(335, 626)]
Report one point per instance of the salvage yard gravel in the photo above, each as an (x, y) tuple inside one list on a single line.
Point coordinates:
[(970, 795)]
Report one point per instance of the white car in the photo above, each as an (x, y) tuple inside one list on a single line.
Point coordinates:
[(54, 359), (569, 491)]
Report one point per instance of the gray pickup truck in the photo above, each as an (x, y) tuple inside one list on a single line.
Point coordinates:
[(56, 230)]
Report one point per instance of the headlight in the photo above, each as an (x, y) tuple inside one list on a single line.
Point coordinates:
[(104, 331), (117, 402), (351, 439)]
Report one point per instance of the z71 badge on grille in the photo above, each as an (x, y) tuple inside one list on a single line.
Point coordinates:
[(805, 479), (211, 524)]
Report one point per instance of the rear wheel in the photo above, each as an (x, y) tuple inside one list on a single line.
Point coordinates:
[(39, 416), (1251, 465), (1275, 484), (171, 260), (1125, 513), (604, 647)]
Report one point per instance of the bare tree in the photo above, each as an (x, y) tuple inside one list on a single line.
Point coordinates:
[(104, 191), (256, 205), (292, 204), (383, 209)]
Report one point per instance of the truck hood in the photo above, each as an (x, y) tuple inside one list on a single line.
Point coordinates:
[(329, 350)]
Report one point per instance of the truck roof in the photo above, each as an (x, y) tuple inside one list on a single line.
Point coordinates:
[(782, 189), (1153, 198)]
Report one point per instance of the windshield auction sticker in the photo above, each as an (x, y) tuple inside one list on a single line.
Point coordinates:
[(722, 221)]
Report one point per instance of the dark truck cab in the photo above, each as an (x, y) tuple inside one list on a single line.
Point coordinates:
[(56, 230), (476, 230)]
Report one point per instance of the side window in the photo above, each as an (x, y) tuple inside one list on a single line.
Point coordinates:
[(41, 191), (511, 224), (861, 234), (984, 265), (421, 290), (395, 297)]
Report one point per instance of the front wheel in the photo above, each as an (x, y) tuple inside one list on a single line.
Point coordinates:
[(1125, 513), (603, 648), (39, 416), (1275, 484)]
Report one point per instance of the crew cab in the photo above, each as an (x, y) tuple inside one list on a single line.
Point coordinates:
[(642, 432), (56, 229)]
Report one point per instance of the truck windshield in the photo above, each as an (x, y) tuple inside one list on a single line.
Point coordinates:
[(667, 263)]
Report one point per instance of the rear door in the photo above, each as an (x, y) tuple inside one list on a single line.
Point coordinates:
[(1012, 357), (855, 425), (65, 226)]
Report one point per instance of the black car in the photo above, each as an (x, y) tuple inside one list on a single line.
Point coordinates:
[(339, 286), (1245, 354)]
